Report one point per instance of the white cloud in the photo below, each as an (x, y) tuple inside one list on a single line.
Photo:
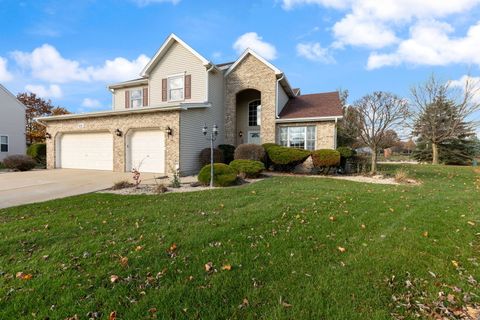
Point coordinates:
[(143, 3), (314, 52), (339, 4), (47, 64), (253, 41), (430, 44), (474, 83), (5, 75), (91, 103), (52, 91)]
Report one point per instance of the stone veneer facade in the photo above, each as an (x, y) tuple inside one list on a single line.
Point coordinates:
[(251, 73), (325, 132), (126, 123)]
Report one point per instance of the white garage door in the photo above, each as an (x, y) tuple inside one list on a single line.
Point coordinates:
[(146, 151), (86, 151)]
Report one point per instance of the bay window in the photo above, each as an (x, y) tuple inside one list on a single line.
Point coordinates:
[(298, 137)]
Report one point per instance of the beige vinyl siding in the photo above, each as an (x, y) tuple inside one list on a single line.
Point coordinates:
[(282, 99), (12, 123), (119, 97), (192, 121), (178, 60)]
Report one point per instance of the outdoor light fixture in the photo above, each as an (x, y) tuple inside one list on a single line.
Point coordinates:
[(48, 135), (118, 133), (240, 134), (212, 138), (169, 131)]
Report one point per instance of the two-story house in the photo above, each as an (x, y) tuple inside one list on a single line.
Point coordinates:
[(157, 120), (12, 125)]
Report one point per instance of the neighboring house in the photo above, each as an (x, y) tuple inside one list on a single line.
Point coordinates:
[(157, 120), (12, 125)]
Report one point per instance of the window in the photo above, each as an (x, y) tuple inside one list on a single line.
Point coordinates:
[(176, 88), (3, 144), (254, 113), (298, 137), (136, 98)]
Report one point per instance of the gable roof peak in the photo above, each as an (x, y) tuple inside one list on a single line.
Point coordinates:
[(164, 48), (250, 51)]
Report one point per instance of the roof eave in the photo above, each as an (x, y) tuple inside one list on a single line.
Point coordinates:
[(308, 119)]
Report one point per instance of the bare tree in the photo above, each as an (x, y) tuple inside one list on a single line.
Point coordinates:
[(379, 112), (442, 109)]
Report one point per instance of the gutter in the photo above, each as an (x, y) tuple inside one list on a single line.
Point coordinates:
[(276, 95), (313, 119)]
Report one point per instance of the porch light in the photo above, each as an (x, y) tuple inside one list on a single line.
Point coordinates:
[(118, 133), (169, 131), (205, 129), (240, 134), (215, 129), (48, 135)]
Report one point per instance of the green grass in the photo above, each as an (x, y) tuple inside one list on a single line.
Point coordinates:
[(277, 236)]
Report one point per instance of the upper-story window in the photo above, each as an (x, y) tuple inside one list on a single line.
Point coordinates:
[(3, 143), (136, 98), (254, 113), (176, 86)]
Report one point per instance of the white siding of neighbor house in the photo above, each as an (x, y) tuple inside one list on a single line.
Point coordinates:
[(192, 141), (282, 99), (12, 123), (119, 97), (178, 60)]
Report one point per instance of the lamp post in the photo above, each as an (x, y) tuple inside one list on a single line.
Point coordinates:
[(213, 137)]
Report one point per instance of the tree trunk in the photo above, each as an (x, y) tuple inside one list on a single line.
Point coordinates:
[(374, 161), (434, 153)]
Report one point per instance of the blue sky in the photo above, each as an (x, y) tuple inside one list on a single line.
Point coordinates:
[(68, 51)]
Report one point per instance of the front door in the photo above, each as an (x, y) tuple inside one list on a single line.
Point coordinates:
[(254, 137)]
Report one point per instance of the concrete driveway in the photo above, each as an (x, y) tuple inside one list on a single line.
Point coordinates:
[(18, 188)]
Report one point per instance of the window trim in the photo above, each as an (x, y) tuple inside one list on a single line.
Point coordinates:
[(259, 123), (8, 143), (178, 75), (131, 99), (304, 134)]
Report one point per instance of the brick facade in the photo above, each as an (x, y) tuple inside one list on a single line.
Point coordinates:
[(126, 123), (251, 73)]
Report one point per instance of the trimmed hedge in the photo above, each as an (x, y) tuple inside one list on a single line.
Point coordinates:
[(284, 158), (325, 158), (346, 152), (228, 152), (19, 162), (248, 168), (205, 156), (223, 175), (250, 152), (38, 151)]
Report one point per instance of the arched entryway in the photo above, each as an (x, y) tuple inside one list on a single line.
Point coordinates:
[(249, 116)]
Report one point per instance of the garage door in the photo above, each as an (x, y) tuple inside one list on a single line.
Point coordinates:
[(146, 151), (86, 151)]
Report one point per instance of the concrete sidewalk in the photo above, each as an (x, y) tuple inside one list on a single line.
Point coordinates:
[(17, 188)]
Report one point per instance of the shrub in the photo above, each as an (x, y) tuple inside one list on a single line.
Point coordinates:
[(250, 152), (359, 163), (205, 156), (228, 152), (325, 158), (122, 185), (223, 175), (345, 154), (248, 168), (19, 162), (401, 176), (38, 151), (2, 166), (284, 158), (160, 188), (266, 147)]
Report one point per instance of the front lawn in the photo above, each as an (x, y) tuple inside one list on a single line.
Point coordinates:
[(299, 248)]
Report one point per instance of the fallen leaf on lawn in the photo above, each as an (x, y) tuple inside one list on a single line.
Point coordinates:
[(451, 298), (123, 261), (253, 192), (227, 267), (245, 303), (208, 266), (112, 316), (471, 223), (172, 248), (332, 218), (152, 310), (341, 249), (455, 263), (24, 276), (425, 234), (473, 313), (391, 209), (114, 278), (139, 248), (363, 226)]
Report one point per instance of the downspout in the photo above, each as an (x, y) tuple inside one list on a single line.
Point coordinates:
[(335, 137), (113, 98), (207, 86), (276, 95)]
